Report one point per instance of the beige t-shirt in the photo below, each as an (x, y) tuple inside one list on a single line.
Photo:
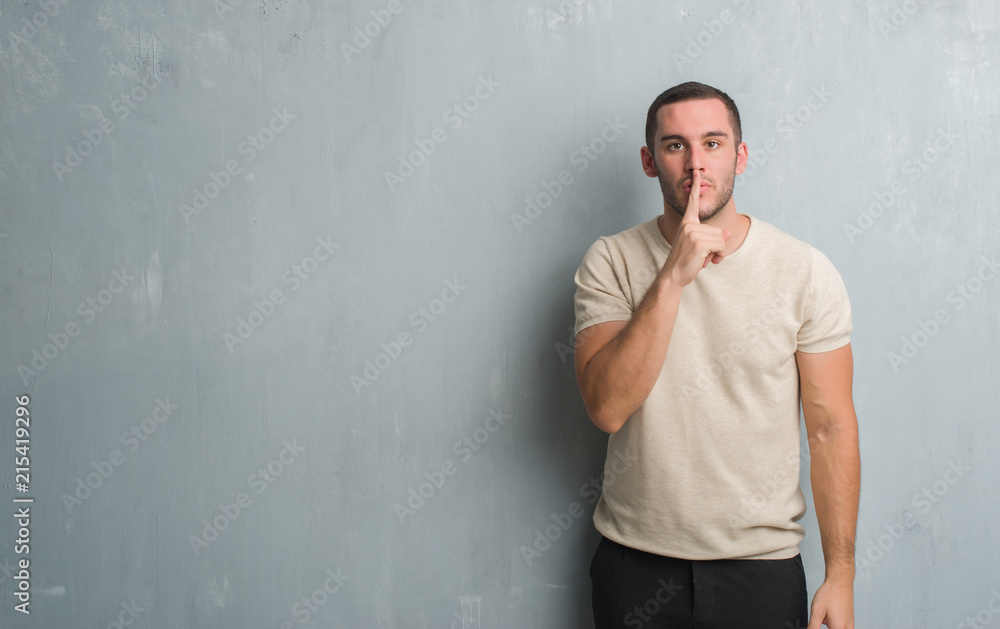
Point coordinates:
[(708, 466)]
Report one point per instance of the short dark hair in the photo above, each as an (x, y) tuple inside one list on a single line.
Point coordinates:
[(692, 90)]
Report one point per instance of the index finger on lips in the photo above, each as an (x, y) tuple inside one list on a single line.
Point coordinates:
[(691, 214)]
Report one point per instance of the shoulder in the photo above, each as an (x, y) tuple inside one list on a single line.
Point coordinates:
[(638, 238), (777, 241), (786, 249), (794, 263)]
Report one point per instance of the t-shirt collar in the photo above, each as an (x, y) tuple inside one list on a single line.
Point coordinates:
[(658, 236)]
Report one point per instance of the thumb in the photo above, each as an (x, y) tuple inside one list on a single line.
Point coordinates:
[(715, 257), (816, 617)]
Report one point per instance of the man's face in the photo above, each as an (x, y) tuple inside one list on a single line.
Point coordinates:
[(695, 134)]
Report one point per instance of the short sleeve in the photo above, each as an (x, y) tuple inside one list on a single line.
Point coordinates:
[(600, 296), (826, 321)]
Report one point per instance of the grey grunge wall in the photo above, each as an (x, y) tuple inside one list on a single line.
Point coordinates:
[(286, 292)]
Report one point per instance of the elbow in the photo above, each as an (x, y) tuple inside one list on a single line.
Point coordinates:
[(833, 431), (604, 425), (605, 421), (597, 406)]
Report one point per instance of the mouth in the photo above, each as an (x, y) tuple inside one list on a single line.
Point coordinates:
[(704, 187)]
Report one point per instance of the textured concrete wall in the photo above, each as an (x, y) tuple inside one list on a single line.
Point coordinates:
[(288, 285)]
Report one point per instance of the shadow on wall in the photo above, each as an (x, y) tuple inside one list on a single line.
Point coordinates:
[(559, 541)]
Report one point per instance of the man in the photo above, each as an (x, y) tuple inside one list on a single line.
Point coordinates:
[(697, 334)]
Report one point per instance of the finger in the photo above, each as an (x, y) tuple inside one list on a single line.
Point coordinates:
[(717, 257), (714, 257), (691, 214), (816, 618)]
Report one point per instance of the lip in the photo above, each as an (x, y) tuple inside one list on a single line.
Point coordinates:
[(704, 186)]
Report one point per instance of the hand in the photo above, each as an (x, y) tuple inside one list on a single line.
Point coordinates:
[(695, 244), (833, 606)]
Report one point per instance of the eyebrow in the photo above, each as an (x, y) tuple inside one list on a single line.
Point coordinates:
[(707, 134)]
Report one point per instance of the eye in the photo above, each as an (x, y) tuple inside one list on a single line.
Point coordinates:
[(670, 146), (713, 142)]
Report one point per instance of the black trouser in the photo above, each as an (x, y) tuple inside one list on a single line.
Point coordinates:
[(633, 589)]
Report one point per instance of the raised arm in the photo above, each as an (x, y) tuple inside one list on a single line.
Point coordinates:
[(617, 363)]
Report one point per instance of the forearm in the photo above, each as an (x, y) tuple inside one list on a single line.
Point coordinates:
[(836, 482), (620, 377)]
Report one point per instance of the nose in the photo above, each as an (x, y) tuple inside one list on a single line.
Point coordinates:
[(694, 161)]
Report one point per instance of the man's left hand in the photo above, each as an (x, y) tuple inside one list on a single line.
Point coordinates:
[(833, 606)]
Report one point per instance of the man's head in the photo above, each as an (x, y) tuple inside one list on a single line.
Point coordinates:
[(692, 90), (694, 126)]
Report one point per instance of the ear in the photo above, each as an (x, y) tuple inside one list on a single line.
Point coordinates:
[(742, 155), (648, 166)]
